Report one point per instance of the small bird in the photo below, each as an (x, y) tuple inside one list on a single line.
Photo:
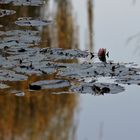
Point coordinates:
[(102, 54)]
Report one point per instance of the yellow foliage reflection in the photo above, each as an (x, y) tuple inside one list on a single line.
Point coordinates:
[(41, 115), (37, 117)]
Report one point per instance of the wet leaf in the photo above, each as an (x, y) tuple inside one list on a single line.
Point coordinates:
[(49, 84), (18, 39), (28, 21), (129, 79), (8, 75), (61, 54), (97, 88), (5, 12), (23, 2), (85, 70)]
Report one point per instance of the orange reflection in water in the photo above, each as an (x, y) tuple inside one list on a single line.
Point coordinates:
[(37, 116), (40, 115)]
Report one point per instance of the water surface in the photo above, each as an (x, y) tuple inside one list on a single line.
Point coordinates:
[(83, 25)]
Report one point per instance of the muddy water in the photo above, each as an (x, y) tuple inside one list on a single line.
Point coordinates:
[(43, 62)]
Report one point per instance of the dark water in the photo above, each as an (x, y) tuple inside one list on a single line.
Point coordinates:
[(29, 25)]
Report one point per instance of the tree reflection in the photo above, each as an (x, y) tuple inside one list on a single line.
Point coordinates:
[(64, 33), (37, 117), (90, 22), (40, 115)]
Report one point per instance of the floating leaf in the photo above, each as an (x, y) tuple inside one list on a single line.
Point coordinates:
[(49, 84), (61, 54), (23, 2), (85, 70), (28, 21), (129, 79), (97, 88), (5, 12), (8, 75), (37, 67), (17, 38)]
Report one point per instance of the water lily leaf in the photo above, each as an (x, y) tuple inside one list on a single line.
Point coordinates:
[(75, 70), (19, 39), (49, 84), (23, 2), (28, 21), (5, 12), (60, 54), (85, 70), (97, 88), (129, 79), (37, 68), (8, 75), (19, 33)]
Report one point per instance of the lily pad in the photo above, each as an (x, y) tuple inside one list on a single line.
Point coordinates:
[(23, 2), (62, 54), (28, 21), (129, 79), (17, 38), (49, 84), (8, 75), (97, 88), (85, 70), (5, 12), (37, 68)]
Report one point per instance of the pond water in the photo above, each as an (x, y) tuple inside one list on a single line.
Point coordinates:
[(39, 89)]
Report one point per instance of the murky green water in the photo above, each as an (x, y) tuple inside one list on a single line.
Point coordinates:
[(32, 77)]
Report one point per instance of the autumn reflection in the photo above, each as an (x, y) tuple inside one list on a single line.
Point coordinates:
[(40, 115), (8, 22), (37, 117), (63, 33), (90, 23)]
